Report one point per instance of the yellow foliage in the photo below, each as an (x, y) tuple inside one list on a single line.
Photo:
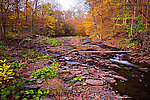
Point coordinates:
[(5, 72)]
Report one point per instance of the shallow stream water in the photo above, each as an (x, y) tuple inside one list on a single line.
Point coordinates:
[(138, 84)]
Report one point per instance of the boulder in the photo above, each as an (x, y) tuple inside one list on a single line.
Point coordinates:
[(94, 82)]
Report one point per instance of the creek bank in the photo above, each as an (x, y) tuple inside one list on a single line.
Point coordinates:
[(100, 77)]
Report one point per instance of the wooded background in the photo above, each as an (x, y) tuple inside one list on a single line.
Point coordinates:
[(97, 19)]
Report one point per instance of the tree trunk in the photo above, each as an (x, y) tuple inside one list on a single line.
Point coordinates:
[(32, 22), (124, 19), (132, 24), (146, 15), (132, 21), (34, 12), (94, 19), (26, 12), (142, 8), (101, 27), (17, 11), (36, 1), (2, 22)]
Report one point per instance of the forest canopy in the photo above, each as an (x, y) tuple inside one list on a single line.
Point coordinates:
[(97, 19)]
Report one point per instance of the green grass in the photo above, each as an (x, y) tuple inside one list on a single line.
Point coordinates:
[(71, 36), (50, 41)]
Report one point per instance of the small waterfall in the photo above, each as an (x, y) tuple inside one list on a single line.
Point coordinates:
[(119, 58)]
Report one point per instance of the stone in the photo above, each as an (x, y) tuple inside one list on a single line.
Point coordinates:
[(81, 90), (65, 67), (74, 50), (47, 98), (88, 60), (119, 77), (84, 84), (85, 77), (93, 70), (67, 58), (83, 67), (110, 80), (115, 65), (70, 77), (63, 71), (97, 68), (39, 81), (85, 73), (77, 84), (33, 87), (76, 72), (144, 69), (94, 82), (61, 60), (72, 62), (70, 88)]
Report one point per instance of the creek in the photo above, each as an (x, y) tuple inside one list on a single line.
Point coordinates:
[(138, 84)]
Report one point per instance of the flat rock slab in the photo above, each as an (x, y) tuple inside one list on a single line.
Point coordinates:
[(110, 80), (120, 77), (94, 82)]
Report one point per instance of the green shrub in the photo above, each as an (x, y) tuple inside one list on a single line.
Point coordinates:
[(5, 73), (30, 94), (10, 85), (46, 72), (77, 78)]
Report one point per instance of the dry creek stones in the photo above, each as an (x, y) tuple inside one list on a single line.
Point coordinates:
[(94, 82)]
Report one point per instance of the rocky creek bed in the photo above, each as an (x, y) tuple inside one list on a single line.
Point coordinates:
[(99, 76)]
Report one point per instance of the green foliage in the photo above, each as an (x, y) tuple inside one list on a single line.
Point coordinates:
[(45, 57), (128, 43), (46, 72), (17, 65), (50, 41), (30, 94), (9, 84), (77, 78), (12, 35), (29, 81), (4, 93), (138, 26), (72, 36), (5, 55), (32, 56), (32, 60), (82, 87), (12, 90), (12, 87), (114, 2), (3, 46), (5, 73), (2, 42)]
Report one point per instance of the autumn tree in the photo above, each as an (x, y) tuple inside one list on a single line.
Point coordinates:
[(24, 17), (3, 20)]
